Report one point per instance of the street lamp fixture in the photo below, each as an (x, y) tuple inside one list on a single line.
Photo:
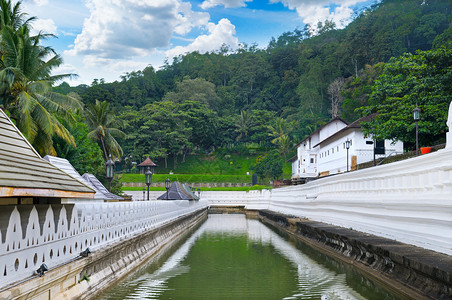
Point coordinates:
[(167, 186), (347, 146), (110, 166), (148, 175), (42, 269), (417, 117)]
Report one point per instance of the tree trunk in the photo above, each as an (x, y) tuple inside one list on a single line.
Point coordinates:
[(103, 147)]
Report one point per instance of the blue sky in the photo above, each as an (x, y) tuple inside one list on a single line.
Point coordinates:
[(106, 38)]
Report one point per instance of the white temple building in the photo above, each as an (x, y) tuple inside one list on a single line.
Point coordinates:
[(324, 152)]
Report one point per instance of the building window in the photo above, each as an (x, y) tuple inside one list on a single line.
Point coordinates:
[(312, 160), (337, 148), (332, 150)]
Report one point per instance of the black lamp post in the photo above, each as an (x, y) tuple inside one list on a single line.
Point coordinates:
[(167, 186), (109, 165), (417, 117), (199, 193), (347, 145), (148, 175), (144, 192)]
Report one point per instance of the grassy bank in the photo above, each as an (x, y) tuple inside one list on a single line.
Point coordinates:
[(189, 178), (213, 164), (241, 188)]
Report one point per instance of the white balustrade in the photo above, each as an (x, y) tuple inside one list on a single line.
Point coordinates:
[(56, 234), (409, 201)]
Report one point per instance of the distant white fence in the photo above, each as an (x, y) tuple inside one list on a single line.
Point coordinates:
[(55, 234), (409, 201)]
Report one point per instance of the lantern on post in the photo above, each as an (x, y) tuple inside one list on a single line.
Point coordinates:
[(417, 117), (148, 176), (347, 146), (109, 166), (167, 186)]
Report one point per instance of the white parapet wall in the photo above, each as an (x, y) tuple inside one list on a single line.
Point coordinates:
[(57, 234), (409, 201)]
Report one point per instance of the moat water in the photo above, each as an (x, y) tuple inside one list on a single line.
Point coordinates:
[(232, 257)]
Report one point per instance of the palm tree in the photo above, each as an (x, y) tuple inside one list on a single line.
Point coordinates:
[(26, 82), (103, 125), (284, 145), (12, 16), (243, 124), (281, 128)]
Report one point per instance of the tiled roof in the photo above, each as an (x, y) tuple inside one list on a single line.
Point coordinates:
[(354, 124), (24, 173), (147, 163), (106, 195), (178, 191), (320, 128), (64, 165)]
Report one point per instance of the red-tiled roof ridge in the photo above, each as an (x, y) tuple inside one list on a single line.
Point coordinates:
[(147, 163)]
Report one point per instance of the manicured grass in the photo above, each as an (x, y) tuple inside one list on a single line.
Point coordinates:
[(221, 164), (189, 178), (240, 188), (215, 164)]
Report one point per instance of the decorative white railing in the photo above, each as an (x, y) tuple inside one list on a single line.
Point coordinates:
[(56, 234), (409, 201)]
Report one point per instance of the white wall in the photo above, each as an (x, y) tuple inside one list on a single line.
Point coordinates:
[(56, 234), (409, 201), (333, 157)]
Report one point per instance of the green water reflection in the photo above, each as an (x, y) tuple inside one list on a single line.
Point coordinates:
[(231, 257)]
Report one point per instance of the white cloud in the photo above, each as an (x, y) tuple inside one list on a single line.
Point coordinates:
[(188, 19), (222, 33), (313, 11), (44, 25), (39, 2), (226, 3), (128, 28)]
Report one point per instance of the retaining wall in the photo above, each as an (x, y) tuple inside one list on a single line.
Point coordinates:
[(56, 235), (409, 201)]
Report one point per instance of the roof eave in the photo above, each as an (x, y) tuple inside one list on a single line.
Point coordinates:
[(34, 192)]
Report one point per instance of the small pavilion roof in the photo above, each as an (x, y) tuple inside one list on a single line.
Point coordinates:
[(178, 191), (66, 166), (147, 163), (106, 195), (23, 173)]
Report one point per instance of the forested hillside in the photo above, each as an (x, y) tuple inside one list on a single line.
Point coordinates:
[(273, 96)]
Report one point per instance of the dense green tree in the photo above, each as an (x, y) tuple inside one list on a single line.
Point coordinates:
[(289, 79), (104, 128), (423, 80), (270, 166), (86, 157), (357, 91), (197, 89)]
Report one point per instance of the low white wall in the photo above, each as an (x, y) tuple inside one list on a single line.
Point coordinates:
[(56, 234), (409, 201)]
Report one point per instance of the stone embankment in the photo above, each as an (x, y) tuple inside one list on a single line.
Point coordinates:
[(408, 271)]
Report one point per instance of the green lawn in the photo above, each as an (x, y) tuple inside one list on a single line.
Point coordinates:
[(241, 188), (228, 164), (189, 178)]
